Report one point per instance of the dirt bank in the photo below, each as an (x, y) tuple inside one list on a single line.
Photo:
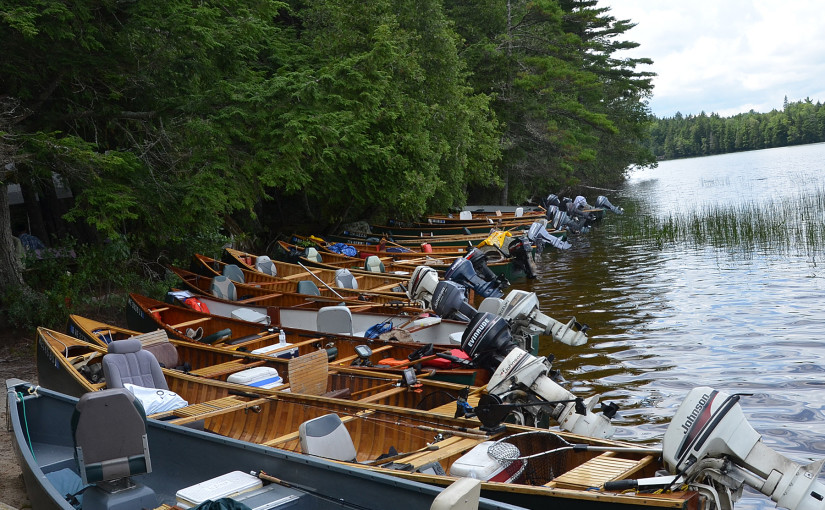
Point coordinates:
[(16, 360)]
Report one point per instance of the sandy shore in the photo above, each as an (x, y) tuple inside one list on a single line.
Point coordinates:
[(16, 360)]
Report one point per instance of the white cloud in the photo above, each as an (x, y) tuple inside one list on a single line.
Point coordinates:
[(727, 56)]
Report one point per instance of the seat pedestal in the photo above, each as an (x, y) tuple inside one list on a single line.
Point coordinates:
[(138, 496)]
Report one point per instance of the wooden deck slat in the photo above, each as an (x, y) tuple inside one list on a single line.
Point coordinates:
[(598, 470)]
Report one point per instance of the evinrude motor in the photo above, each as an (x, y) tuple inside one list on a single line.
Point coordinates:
[(710, 443), (462, 272), (522, 378), (521, 310), (603, 203), (487, 340), (450, 302), (538, 235)]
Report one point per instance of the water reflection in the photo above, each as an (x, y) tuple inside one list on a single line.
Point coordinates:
[(666, 317)]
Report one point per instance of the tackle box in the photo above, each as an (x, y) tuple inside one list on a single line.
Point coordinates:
[(258, 377)]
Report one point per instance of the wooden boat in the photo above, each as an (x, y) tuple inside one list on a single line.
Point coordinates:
[(436, 449), (264, 297), (405, 229), (206, 377), (40, 421), (145, 314), (498, 213), (456, 242), (288, 276)]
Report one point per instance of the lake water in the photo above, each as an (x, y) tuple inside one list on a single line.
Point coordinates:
[(666, 318)]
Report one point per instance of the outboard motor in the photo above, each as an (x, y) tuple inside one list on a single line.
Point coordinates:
[(450, 301), (521, 310), (538, 235), (709, 441), (551, 201), (519, 248), (461, 271), (422, 285), (561, 221), (523, 378), (487, 340), (479, 261), (603, 203)]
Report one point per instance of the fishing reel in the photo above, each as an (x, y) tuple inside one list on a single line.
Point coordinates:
[(709, 443)]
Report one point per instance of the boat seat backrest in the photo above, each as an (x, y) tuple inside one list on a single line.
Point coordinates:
[(109, 432), (233, 272), (165, 353), (127, 362), (312, 254), (265, 265), (345, 279), (334, 319), (327, 437), (223, 288), (308, 287), (374, 264)]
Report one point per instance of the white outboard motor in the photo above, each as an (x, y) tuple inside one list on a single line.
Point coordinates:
[(603, 203), (538, 235), (710, 442), (521, 310), (522, 372), (561, 220), (422, 285)]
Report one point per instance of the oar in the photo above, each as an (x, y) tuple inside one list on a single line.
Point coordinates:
[(320, 280)]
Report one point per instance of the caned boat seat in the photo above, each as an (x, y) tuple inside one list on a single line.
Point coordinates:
[(312, 255), (111, 444), (223, 288), (265, 265), (327, 437), (233, 272), (334, 319), (308, 287), (127, 362), (345, 279), (374, 264)]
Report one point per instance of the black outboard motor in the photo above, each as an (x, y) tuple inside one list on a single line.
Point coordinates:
[(487, 340), (518, 249), (550, 201), (462, 272), (450, 301), (479, 260)]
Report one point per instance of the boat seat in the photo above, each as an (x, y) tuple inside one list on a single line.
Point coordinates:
[(223, 288), (374, 264), (308, 287), (334, 319), (233, 272), (265, 265), (127, 362), (111, 444), (165, 353), (312, 255), (345, 279), (327, 437)]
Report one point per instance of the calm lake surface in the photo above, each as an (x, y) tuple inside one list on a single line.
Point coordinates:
[(666, 318)]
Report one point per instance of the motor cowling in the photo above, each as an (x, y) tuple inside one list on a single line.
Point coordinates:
[(449, 300), (462, 272), (479, 260), (519, 249), (603, 203), (538, 235), (487, 340), (422, 284)]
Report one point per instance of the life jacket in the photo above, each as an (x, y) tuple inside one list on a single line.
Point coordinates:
[(196, 304), (443, 363)]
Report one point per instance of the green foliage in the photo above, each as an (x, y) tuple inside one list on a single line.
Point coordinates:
[(702, 135)]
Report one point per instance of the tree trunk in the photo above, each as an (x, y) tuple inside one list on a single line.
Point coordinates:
[(10, 270)]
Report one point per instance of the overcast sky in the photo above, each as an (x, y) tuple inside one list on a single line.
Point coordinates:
[(728, 56)]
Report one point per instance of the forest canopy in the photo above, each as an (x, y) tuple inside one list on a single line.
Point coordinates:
[(175, 124)]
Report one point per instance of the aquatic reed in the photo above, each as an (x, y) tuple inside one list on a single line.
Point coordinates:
[(794, 226)]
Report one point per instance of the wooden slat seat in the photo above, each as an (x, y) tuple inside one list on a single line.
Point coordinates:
[(598, 470)]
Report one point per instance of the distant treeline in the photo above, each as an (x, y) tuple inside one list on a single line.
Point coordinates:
[(702, 135)]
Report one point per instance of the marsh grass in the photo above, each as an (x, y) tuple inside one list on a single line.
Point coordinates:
[(787, 226)]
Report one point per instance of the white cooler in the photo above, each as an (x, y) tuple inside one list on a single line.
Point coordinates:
[(286, 353), (478, 464), (258, 377), (224, 486)]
